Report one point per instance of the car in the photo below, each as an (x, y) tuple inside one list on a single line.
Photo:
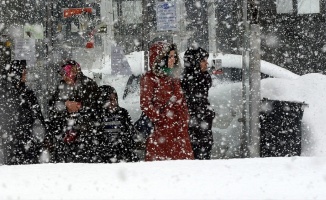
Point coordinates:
[(225, 97)]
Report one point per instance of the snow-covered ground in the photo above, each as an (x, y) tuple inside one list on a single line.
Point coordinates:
[(257, 178)]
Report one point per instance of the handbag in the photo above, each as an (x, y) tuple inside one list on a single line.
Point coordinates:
[(144, 126)]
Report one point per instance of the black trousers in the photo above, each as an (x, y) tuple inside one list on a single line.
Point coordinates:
[(201, 136)]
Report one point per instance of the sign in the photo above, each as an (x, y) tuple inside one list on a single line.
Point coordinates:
[(25, 50), (69, 12), (217, 66), (33, 31), (103, 29), (166, 16), (217, 63), (119, 62)]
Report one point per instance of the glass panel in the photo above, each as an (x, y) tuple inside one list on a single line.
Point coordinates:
[(132, 12), (115, 10), (284, 6), (308, 6)]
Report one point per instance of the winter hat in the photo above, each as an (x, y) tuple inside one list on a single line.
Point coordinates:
[(74, 63), (67, 71), (67, 67), (105, 92), (69, 63)]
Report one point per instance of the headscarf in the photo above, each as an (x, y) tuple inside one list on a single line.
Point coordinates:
[(67, 67)]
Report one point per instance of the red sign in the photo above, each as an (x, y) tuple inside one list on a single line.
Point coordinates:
[(69, 12)]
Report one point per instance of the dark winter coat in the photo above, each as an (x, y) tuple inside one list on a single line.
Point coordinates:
[(23, 126), (162, 100), (196, 85), (72, 133), (116, 134), (116, 137)]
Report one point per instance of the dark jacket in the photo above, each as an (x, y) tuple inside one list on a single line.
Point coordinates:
[(71, 135), (116, 137), (195, 83), (116, 134), (23, 124)]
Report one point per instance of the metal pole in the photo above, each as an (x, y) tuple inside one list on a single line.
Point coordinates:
[(254, 81), (107, 18), (211, 26), (254, 95)]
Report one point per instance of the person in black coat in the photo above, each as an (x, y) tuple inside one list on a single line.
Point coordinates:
[(23, 125), (196, 82), (71, 114), (116, 134)]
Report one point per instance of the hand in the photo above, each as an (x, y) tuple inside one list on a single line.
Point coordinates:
[(73, 106)]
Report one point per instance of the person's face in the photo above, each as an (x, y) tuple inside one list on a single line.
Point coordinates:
[(71, 76), (24, 75), (203, 65), (113, 102), (171, 60)]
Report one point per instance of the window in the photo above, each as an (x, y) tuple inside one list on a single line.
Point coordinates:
[(284, 6), (308, 6)]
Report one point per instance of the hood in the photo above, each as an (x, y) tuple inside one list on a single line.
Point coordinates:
[(105, 92), (193, 56), (158, 58), (67, 65)]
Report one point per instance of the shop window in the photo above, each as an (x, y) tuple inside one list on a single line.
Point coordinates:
[(308, 6)]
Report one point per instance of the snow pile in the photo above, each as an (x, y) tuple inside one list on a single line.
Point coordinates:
[(310, 89)]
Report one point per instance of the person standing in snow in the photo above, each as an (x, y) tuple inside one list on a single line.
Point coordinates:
[(115, 133), (22, 125), (162, 100), (71, 114), (196, 82)]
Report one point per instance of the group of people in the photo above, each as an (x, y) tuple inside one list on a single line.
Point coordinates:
[(86, 123), (177, 104)]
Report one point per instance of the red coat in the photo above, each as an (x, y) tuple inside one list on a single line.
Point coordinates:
[(170, 140)]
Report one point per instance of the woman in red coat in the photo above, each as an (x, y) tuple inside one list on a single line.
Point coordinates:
[(162, 100)]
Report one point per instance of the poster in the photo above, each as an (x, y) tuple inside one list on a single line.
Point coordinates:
[(25, 50), (166, 16)]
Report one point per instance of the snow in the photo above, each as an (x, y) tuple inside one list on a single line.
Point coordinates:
[(252, 178), (310, 89), (257, 178)]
